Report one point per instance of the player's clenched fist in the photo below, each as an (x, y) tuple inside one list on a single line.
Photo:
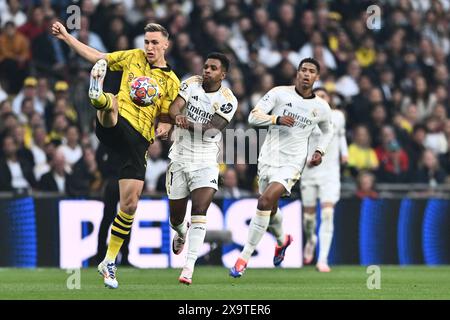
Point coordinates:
[(59, 31), (286, 121), (316, 159)]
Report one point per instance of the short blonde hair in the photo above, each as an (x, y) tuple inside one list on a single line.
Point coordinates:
[(155, 27)]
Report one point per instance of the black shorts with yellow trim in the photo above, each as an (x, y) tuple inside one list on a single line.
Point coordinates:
[(129, 144)]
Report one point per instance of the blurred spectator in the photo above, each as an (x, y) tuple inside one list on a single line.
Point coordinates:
[(387, 84), (365, 186), (14, 57), (366, 53), (416, 146), (71, 148), (38, 150), (347, 84), (5, 107), (56, 179), (435, 139), (230, 187), (378, 119), (26, 111), (394, 161), (155, 165), (85, 177), (23, 143), (88, 37), (359, 107), (13, 13), (29, 90), (360, 155), (245, 174), (35, 25), (422, 98), (429, 170), (8, 124), (317, 43), (58, 129), (16, 172), (49, 54)]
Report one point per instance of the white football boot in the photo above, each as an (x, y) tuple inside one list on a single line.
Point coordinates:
[(108, 272), (98, 74)]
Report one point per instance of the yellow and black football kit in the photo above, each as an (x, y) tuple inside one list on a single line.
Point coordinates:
[(135, 128)]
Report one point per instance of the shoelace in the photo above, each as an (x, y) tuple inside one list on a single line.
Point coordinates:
[(111, 270)]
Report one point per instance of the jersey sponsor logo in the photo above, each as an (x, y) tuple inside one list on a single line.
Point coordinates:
[(300, 121), (197, 114), (226, 108)]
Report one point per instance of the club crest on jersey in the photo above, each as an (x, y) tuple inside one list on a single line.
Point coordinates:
[(184, 86), (226, 108)]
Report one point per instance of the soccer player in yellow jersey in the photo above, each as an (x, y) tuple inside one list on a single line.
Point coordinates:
[(124, 126)]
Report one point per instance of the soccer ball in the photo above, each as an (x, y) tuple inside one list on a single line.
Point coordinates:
[(143, 90)]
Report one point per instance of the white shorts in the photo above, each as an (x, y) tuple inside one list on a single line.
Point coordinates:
[(327, 190), (287, 176), (183, 178)]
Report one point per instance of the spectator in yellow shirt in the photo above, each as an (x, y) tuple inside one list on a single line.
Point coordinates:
[(360, 155)]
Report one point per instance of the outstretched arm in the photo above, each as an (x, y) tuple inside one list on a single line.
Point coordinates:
[(88, 53)]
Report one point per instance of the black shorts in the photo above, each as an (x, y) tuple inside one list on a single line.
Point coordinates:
[(129, 144)]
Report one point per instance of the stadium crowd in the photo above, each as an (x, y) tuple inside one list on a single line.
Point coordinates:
[(392, 83)]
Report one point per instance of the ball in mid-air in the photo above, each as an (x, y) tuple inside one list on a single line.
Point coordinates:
[(143, 90)]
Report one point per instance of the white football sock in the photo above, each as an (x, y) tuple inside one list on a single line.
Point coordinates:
[(325, 233), (309, 226), (276, 227), (196, 239), (181, 229), (258, 227)]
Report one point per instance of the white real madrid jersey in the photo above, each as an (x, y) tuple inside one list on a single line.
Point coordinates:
[(200, 107), (289, 145)]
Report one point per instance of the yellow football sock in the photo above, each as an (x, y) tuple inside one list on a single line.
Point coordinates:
[(120, 230), (104, 102)]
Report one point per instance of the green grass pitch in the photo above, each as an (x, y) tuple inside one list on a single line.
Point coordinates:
[(212, 283)]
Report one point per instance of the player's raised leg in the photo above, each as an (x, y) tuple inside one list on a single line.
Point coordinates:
[(105, 103), (258, 225), (325, 236), (201, 199), (130, 191)]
